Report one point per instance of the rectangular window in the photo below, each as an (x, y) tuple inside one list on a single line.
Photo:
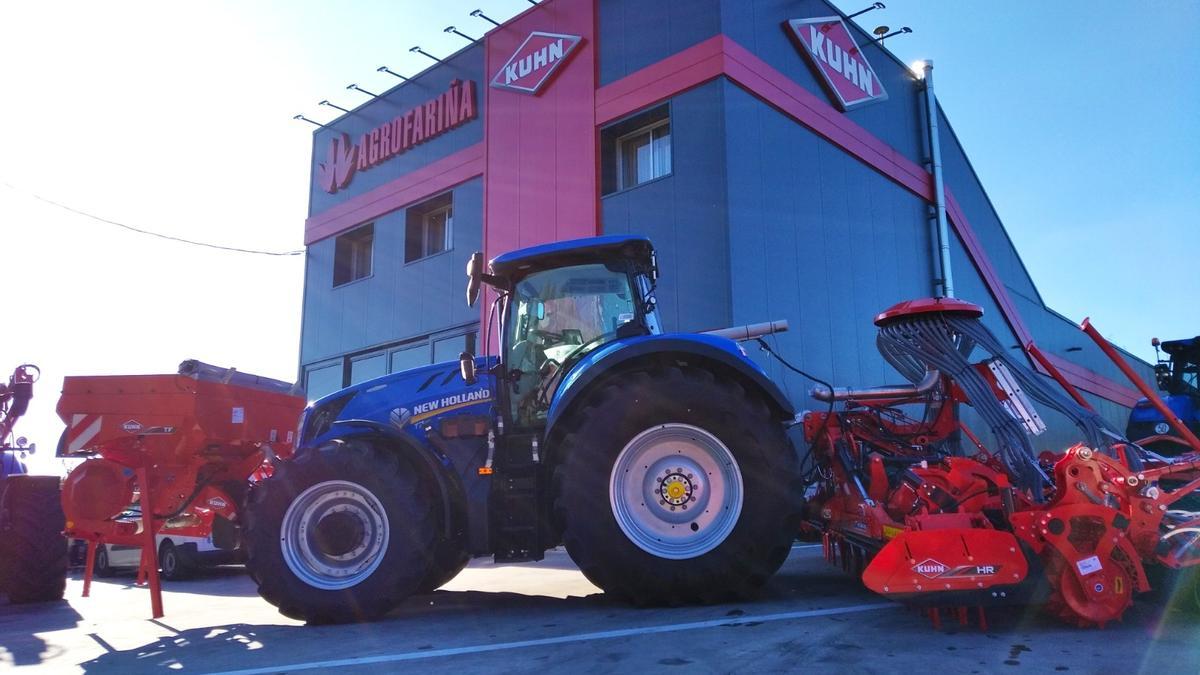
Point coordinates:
[(352, 255), (322, 380), (644, 155), (429, 228), (448, 349), (410, 357), (369, 367), (636, 150)]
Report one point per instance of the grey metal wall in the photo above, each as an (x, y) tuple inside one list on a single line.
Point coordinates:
[(685, 215), (399, 300), (464, 65)]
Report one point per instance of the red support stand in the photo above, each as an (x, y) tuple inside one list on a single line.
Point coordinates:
[(89, 567), (149, 560)]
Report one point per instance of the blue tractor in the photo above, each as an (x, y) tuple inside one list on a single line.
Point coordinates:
[(1177, 376), (659, 460), (33, 550)]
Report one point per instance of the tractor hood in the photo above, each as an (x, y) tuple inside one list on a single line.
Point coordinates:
[(400, 401)]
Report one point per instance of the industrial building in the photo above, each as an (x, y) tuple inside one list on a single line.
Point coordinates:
[(775, 153)]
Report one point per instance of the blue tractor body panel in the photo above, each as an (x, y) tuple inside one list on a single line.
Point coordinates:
[(11, 464), (613, 355)]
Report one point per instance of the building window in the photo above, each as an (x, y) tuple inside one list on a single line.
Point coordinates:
[(352, 255), (429, 228), (636, 150)]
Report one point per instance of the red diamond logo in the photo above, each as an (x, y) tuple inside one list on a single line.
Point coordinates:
[(833, 53), (534, 62), (930, 568)]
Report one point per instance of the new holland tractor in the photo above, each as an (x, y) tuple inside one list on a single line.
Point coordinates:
[(33, 550), (658, 459), (1178, 377)]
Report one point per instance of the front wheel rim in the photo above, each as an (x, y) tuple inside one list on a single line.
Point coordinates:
[(305, 535), (676, 491)]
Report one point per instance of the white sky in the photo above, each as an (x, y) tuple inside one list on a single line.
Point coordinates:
[(176, 118)]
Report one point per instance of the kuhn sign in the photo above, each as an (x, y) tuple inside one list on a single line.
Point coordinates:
[(833, 53), (452, 108), (534, 62)]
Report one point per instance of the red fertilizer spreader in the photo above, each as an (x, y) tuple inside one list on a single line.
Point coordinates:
[(181, 449)]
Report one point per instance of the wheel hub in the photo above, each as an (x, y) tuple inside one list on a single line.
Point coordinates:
[(334, 535), (676, 491)]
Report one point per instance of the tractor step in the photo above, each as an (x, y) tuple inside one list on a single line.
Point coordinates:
[(518, 527)]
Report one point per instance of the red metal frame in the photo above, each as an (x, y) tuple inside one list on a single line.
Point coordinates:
[(175, 439)]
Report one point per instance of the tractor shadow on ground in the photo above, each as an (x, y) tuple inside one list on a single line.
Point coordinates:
[(422, 622), (18, 623), (225, 581)]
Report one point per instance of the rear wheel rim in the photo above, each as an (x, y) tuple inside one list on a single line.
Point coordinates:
[(305, 545), (676, 491)]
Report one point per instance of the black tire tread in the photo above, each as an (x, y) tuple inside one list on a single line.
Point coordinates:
[(35, 550), (751, 553), (412, 537)]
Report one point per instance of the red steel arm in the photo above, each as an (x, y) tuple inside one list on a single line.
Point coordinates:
[(1149, 393)]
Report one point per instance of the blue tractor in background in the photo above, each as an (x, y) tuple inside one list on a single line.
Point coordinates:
[(1178, 376), (659, 460), (33, 549)]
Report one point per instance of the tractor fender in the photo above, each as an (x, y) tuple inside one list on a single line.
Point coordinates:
[(422, 457), (622, 355)]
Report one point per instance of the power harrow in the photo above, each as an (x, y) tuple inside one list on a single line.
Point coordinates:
[(903, 492), (183, 447)]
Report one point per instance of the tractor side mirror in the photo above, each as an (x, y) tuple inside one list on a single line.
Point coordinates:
[(474, 277), (466, 366)]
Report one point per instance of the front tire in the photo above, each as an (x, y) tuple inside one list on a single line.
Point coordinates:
[(33, 550), (173, 563), (675, 487), (340, 533)]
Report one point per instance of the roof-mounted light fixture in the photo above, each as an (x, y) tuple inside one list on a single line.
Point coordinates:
[(452, 29), (389, 71), (355, 87), (302, 118), (333, 105), (881, 33), (418, 50), (874, 6), (480, 15)]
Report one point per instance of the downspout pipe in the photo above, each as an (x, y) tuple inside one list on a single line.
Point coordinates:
[(945, 285)]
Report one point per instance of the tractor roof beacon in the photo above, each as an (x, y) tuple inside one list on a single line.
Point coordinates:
[(658, 459)]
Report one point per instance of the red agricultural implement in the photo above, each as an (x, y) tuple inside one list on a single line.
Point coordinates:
[(903, 492), (183, 447)]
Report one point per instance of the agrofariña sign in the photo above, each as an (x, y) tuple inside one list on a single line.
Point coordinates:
[(452, 108)]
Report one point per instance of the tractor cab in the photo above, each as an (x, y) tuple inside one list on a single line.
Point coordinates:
[(1178, 376), (560, 302), (1180, 373)]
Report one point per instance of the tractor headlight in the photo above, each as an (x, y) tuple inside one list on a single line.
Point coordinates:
[(320, 419)]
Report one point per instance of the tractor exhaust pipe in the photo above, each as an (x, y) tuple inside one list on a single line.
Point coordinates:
[(750, 331), (890, 392)]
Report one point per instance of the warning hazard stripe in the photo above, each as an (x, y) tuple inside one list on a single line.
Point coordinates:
[(82, 430)]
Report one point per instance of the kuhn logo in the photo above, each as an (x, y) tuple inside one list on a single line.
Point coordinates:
[(530, 67), (833, 53), (217, 503), (931, 568), (132, 426)]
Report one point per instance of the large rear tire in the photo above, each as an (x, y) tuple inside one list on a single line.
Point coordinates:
[(675, 487), (340, 533), (33, 550)]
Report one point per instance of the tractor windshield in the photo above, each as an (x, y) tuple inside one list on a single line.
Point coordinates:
[(1185, 374), (554, 318)]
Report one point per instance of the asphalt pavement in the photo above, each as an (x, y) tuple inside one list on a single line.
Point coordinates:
[(546, 617)]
